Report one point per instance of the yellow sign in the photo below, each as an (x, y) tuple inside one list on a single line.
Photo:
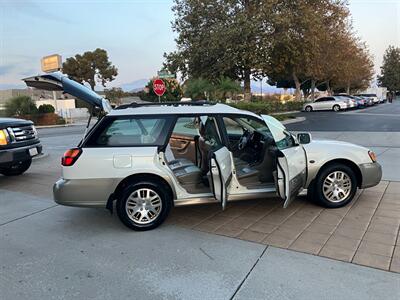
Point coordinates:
[(51, 63)]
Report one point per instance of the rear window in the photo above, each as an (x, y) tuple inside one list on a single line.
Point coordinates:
[(130, 131)]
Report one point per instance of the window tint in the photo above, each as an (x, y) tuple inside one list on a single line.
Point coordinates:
[(320, 99), (131, 132)]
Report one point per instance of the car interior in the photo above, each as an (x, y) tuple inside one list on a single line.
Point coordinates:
[(252, 145), (194, 139)]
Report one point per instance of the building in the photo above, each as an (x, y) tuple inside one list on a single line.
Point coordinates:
[(64, 101)]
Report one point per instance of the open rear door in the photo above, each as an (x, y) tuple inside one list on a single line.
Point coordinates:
[(59, 82), (291, 161), (221, 174)]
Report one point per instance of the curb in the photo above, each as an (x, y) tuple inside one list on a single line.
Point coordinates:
[(295, 120), (286, 112), (56, 126), (40, 156)]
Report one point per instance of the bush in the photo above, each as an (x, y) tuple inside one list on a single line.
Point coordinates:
[(46, 108), (20, 105), (269, 107)]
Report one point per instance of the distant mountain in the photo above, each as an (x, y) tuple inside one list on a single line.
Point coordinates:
[(134, 86)]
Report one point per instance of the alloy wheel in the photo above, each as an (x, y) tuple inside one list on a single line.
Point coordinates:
[(337, 186), (143, 206)]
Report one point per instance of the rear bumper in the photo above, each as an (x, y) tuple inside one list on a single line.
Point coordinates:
[(83, 192), (371, 174), (11, 156)]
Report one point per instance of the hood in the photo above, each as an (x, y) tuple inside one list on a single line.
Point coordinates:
[(60, 82), (327, 144), (11, 122)]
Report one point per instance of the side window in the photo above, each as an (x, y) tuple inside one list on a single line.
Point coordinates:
[(330, 99), (186, 126), (320, 100), (128, 131)]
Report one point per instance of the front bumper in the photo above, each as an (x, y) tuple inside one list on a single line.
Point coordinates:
[(11, 156), (83, 192), (371, 174)]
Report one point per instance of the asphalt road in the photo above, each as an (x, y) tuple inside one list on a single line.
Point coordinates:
[(380, 118)]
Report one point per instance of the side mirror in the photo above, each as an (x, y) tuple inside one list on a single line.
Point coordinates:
[(304, 138)]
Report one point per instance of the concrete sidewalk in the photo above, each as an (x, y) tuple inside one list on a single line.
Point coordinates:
[(57, 252)]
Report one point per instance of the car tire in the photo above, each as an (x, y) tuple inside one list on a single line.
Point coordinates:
[(308, 108), (137, 211), (17, 169), (336, 107), (332, 190)]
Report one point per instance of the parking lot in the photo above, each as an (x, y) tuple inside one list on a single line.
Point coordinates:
[(50, 251)]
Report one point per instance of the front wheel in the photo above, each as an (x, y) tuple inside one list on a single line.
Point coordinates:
[(308, 108), (335, 186), (17, 169), (144, 206), (336, 107)]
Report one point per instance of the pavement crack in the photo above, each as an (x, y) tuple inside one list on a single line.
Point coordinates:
[(28, 215), (248, 273), (206, 254)]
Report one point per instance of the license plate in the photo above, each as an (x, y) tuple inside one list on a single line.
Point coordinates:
[(33, 151)]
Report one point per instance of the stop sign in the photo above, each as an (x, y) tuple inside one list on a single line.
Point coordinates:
[(159, 87)]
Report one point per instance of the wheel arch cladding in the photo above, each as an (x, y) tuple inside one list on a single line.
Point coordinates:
[(345, 162), (135, 178)]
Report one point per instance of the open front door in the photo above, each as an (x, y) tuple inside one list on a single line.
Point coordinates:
[(59, 82), (291, 161), (221, 174)]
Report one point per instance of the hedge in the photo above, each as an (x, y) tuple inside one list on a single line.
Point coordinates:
[(268, 107)]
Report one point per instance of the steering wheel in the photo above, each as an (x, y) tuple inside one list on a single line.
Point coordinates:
[(244, 140)]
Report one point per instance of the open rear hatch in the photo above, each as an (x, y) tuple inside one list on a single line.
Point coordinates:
[(60, 82)]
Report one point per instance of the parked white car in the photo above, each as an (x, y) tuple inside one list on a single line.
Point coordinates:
[(150, 157), (335, 103)]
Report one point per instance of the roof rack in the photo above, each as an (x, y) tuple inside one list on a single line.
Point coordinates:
[(184, 103)]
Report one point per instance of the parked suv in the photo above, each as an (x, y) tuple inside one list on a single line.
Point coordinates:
[(19, 142), (149, 157)]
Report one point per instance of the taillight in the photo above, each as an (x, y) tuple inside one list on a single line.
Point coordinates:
[(70, 156)]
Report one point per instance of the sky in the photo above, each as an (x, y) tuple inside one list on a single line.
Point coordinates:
[(135, 33)]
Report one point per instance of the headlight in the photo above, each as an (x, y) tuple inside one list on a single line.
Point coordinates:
[(4, 137), (372, 155), (34, 130)]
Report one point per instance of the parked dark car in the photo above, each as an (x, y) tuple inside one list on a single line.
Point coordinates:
[(19, 142)]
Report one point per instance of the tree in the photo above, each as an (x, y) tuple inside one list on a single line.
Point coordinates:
[(46, 108), (91, 67), (226, 86), (227, 38), (303, 29), (173, 91), (20, 106), (390, 69), (198, 88), (114, 95)]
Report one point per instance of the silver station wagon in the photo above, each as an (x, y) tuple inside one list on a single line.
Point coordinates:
[(147, 158)]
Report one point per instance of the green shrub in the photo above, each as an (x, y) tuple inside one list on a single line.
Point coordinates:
[(269, 107), (46, 108), (20, 105)]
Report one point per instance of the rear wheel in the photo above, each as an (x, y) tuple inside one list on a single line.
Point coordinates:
[(17, 168), (336, 107), (308, 108), (335, 186), (144, 206)]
